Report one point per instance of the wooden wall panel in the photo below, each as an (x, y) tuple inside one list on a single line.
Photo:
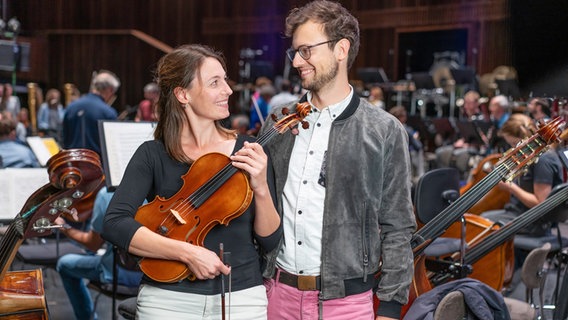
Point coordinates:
[(230, 26)]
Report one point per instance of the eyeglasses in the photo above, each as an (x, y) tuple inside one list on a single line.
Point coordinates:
[(304, 51)]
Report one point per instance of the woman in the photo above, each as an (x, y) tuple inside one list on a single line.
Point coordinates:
[(193, 99)]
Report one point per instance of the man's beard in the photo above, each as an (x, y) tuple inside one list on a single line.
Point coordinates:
[(321, 80)]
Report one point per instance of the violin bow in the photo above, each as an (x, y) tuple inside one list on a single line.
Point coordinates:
[(222, 254)]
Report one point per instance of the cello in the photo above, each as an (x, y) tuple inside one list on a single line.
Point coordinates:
[(497, 266), (203, 202), (73, 175)]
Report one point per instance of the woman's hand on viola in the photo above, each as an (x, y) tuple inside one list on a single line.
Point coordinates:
[(252, 159), (206, 264)]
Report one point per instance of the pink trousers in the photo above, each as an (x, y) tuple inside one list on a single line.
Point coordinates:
[(288, 303)]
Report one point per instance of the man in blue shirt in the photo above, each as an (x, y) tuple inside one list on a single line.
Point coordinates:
[(73, 268), (14, 154), (80, 124)]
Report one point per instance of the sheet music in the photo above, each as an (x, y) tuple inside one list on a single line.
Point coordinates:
[(43, 148), (18, 186), (120, 139)]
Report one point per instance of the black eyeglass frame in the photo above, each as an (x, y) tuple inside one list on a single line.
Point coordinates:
[(291, 52)]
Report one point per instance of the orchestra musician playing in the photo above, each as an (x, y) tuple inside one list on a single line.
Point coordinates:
[(194, 97), (343, 185)]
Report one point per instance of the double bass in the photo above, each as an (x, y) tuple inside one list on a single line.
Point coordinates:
[(510, 165), (482, 249), (73, 175), (214, 192)]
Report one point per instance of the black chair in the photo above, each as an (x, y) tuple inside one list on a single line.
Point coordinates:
[(556, 258), (436, 190), (127, 308)]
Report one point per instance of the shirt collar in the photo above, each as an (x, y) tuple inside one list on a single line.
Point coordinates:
[(335, 109)]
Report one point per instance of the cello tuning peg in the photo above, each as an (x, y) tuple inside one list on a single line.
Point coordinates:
[(305, 125), (285, 111), (273, 116)]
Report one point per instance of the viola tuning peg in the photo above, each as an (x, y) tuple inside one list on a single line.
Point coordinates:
[(273, 116), (305, 124), (285, 111)]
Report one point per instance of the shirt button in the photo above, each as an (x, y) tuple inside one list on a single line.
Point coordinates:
[(299, 211), (305, 182), (311, 152), (301, 272), (319, 124), (299, 243)]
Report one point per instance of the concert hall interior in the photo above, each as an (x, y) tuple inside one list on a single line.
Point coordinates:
[(481, 87)]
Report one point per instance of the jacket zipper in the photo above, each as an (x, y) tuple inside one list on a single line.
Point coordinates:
[(365, 234)]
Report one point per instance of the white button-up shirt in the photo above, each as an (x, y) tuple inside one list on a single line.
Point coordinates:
[(304, 192)]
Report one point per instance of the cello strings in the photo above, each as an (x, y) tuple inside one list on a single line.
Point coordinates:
[(462, 204), (515, 225)]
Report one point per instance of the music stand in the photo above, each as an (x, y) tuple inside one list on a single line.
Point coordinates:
[(372, 75), (444, 128), (464, 78), (423, 80), (469, 132), (119, 141), (508, 88)]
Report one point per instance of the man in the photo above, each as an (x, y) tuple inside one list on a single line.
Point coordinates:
[(147, 107), (471, 110), (13, 153), (80, 124), (499, 113), (342, 184), (74, 268), (499, 110), (539, 109)]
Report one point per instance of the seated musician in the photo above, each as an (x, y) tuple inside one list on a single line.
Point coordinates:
[(194, 96), (531, 188), (73, 268)]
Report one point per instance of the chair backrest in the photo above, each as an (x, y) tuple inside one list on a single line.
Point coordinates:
[(452, 306), (435, 190), (532, 270)]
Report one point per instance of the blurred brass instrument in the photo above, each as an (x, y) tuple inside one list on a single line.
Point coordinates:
[(32, 105), (68, 89)]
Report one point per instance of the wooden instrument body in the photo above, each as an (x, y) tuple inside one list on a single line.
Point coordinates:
[(214, 192), (496, 268), (22, 296), (229, 201)]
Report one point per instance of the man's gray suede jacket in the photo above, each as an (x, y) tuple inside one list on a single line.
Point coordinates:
[(368, 214)]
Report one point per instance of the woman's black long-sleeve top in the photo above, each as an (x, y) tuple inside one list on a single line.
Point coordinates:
[(152, 172)]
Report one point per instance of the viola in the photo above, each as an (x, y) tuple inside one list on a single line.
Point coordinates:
[(213, 192), (73, 175)]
